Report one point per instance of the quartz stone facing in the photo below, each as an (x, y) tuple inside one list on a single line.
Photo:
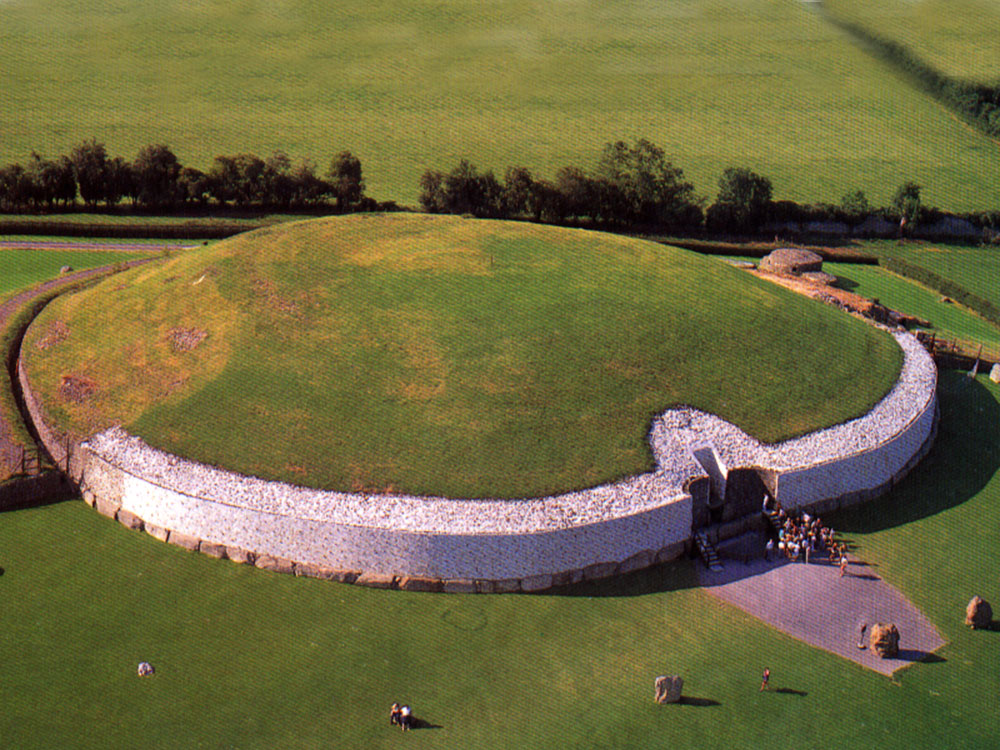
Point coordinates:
[(497, 545)]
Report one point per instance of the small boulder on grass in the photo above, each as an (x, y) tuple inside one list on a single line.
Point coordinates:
[(66, 269), (979, 613), (668, 689), (884, 640)]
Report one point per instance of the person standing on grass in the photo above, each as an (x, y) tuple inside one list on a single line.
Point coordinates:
[(765, 681)]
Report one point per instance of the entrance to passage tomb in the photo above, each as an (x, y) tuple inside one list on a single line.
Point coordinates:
[(732, 493)]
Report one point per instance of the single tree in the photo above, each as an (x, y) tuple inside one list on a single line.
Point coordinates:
[(432, 192), (855, 206), (643, 186), (906, 201), (346, 182), (156, 171), (743, 200), (90, 168)]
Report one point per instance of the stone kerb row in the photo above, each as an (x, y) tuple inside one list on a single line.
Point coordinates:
[(653, 521)]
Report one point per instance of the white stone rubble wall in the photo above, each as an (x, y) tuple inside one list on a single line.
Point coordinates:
[(433, 543)]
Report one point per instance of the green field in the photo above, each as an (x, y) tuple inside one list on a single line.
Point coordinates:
[(250, 659), (767, 84), (958, 37), (898, 293), (445, 355), (977, 269), (22, 268)]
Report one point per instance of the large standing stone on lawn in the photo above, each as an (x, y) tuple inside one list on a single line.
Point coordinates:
[(668, 689), (884, 640), (979, 613), (995, 373)]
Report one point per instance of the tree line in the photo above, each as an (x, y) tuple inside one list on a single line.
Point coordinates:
[(156, 180), (636, 187)]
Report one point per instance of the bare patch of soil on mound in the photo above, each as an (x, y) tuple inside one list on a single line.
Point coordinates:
[(56, 333), (77, 389), (185, 339)]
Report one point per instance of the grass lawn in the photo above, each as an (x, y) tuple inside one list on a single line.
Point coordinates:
[(22, 268), (977, 269), (445, 355), (143, 220), (958, 37), (901, 294), (766, 84), (251, 659)]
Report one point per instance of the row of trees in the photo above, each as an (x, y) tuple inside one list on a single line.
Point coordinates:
[(636, 187), (633, 186), (157, 180)]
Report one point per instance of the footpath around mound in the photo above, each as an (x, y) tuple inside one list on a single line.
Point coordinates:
[(813, 604)]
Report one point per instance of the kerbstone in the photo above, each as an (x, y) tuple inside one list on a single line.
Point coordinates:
[(157, 531), (186, 541), (129, 520), (541, 582), (376, 580), (460, 586), (213, 550), (106, 507), (275, 564)]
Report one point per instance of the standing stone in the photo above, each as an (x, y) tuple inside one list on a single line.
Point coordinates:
[(979, 613), (995, 373), (884, 640), (668, 689)]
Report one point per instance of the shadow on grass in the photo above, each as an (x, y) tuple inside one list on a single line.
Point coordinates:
[(791, 691), (679, 574), (914, 654), (847, 284), (966, 454), (687, 700), (417, 723)]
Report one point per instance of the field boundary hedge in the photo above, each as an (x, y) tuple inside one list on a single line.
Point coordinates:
[(976, 102), (129, 231), (944, 286)]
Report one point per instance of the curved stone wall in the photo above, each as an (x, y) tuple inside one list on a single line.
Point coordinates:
[(429, 543)]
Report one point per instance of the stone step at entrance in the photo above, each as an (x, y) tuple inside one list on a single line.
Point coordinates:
[(707, 552)]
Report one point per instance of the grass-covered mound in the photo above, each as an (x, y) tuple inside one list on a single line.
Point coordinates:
[(444, 355)]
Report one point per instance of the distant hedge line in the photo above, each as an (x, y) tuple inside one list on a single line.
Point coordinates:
[(127, 231), (979, 103), (944, 286)]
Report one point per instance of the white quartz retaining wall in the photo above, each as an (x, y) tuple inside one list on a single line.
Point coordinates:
[(427, 543)]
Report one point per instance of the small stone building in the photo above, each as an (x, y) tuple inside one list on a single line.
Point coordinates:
[(791, 261)]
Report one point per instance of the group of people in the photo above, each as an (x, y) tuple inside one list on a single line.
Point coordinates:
[(402, 716), (802, 536)]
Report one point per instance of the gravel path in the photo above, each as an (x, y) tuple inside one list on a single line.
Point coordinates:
[(10, 449), (814, 604)]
